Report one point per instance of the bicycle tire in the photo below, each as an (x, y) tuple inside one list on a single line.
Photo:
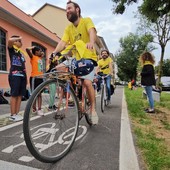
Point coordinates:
[(44, 135), (102, 99), (106, 101)]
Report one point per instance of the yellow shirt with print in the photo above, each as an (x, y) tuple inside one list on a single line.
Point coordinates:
[(79, 36), (104, 65)]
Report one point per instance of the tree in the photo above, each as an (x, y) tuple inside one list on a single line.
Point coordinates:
[(127, 57), (120, 5), (166, 67), (153, 8), (160, 29)]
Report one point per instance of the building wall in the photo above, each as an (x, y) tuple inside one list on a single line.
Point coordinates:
[(13, 21), (53, 18), (27, 39)]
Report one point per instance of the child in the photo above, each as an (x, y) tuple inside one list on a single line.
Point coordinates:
[(17, 76), (37, 69)]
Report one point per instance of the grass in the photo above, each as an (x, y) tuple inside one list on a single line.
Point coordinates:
[(154, 148)]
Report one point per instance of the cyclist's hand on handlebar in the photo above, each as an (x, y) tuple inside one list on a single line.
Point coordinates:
[(53, 55), (90, 46)]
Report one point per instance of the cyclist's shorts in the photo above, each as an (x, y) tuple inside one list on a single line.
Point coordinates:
[(89, 76), (68, 62)]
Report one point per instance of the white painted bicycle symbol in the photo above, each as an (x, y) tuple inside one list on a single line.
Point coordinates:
[(47, 129)]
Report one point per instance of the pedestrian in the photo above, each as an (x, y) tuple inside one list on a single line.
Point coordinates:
[(82, 34), (53, 62), (17, 76), (130, 85), (148, 78), (36, 58)]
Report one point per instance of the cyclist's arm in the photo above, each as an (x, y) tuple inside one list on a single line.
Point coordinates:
[(97, 70), (111, 68), (93, 37), (61, 45), (12, 40), (28, 50)]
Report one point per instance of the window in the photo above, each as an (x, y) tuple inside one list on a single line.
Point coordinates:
[(44, 50), (3, 62)]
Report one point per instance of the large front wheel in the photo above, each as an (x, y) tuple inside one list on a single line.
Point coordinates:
[(50, 137)]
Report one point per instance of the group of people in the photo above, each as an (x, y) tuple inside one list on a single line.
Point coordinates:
[(18, 77), (80, 33)]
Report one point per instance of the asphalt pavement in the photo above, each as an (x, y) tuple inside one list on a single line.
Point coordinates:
[(114, 127)]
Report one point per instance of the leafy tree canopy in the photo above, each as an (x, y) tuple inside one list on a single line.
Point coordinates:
[(155, 9), (131, 47), (165, 67), (152, 8)]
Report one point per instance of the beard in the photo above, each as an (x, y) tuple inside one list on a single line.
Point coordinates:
[(104, 56), (72, 17)]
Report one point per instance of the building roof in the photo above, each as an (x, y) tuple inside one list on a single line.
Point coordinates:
[(17, 17), (47, 4)]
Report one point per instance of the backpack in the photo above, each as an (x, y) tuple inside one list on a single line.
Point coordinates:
[(112, 89), (3, 100), (7, 94)]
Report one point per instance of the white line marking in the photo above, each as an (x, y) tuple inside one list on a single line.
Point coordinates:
[(13, 166)]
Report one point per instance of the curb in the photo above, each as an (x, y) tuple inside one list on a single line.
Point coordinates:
[(127, 155)]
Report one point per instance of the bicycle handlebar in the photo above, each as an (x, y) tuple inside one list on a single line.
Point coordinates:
[(103, 76)]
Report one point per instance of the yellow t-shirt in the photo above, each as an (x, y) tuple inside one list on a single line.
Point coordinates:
[(37, 66), (73, 34), (104, 65)]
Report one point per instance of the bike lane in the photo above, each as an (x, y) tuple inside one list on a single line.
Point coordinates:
[(96, 148)]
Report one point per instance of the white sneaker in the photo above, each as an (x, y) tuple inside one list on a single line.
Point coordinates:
[(16, 118), (94, 118), (40, 113)]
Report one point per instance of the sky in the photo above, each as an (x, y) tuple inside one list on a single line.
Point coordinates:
[(110, 26)]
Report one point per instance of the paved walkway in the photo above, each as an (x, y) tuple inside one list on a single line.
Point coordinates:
[(5, 112)]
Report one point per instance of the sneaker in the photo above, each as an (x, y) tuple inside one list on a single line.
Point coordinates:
[(40, 113), (108, 102), (54, 107), (16, 118), (151, 111), (71, 104), (94, 118)]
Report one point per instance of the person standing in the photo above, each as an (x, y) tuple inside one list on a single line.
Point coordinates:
[(148, 78), (17, 76), (36, 56), (81, 33)]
